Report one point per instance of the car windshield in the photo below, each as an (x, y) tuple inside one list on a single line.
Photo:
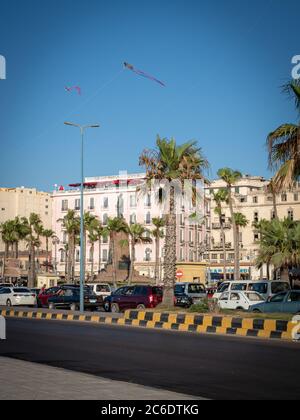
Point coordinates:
[(280, 287), (239, 286), (254, 297), (223, 287), (179, 289), (19, 290), (196, 289)]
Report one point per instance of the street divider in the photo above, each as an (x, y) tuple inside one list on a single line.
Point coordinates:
[(196, 323), (245, 327)]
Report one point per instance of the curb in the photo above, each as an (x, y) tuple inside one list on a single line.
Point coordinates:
[(203, 324), (245, 327)]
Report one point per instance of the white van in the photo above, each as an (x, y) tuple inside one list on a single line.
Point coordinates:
[(101, 289), (265, 288)]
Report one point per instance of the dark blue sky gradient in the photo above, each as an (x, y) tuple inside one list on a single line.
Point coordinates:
[(223, 63)]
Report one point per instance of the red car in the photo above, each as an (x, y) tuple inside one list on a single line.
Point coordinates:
[(134, 297), (42, 299)]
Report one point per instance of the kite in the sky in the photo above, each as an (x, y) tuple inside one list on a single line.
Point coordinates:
[(70, 89), (143, 74)]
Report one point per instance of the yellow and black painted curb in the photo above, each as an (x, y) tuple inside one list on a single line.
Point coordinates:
[(205, 324), (246, 327), (54, 316)]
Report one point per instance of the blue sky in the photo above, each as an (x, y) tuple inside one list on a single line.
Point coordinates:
[(223, 63)]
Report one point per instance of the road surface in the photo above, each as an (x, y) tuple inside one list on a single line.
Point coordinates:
[(213, 367)]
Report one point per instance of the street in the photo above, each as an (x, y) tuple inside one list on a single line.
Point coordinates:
[(213, 367)]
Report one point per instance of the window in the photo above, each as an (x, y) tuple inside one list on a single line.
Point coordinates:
[(92, 203), (148, 218), (214, 256), (62, 256), (105, 255), (141, 291), (148, 200), (239, 287), (237, 190), (64, 205), (105, 239), (191, 256), (65, 238), (77, 204), (279, 298), (255, 200), (256, 216), (105, 219), (291, 214), (133, 219), (296, 197), (77, 255), (243, 200), (261, 288), (182, 220), (181, 254), (273, 215), (294, 297), (132, 201), (279, 287), (225, 296), (148, 255), (284, 197), (256, 237), (191, 236), (235, 296), (105, 203), (181, 235)]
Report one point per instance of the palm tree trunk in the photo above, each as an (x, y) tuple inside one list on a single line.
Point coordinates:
[(131, 271), (224, 248), (92, 265), (100, 256), (235, 241), (170, 253), (47, 254), (32, 271), (114, 262), (275, 205), (157, 243)]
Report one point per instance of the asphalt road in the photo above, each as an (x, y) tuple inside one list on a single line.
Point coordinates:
[(214, 367)]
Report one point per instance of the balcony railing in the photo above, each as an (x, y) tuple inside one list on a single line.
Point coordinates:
[(226, 225), (219, 245)]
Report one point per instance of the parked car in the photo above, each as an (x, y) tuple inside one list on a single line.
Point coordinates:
[(183, 301), (69, 298), (6, 285), (210, 291), (265, 288), (239, 300), (101, 289), (195, 291), (17, 296), (44, 295), (285, 302), (133, 297)]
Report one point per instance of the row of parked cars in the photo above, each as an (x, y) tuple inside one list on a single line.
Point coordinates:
[(262, 296)]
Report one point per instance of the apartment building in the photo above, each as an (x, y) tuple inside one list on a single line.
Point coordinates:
[(252, 199), (121, 195)]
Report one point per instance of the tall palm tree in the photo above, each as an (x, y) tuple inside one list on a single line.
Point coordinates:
[(113, 228), (158, 234), (280, 245), (89, 226), (240, 222), (100, 232), (231, 177), (48, 234), (71, 225), (93, 238), (273, 189), (284, 146), (138, 235), (32, 225), (173, 163), (222, 197)]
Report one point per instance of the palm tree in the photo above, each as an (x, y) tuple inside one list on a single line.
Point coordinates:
[(93, 238), (90, 225), (231, 177), (100, 232), (48, 234), (158, 234), (240, 222), (284, 146), (172, 163), (222, 197), (113, 228), (279, 245), (71, 225), (273, 190), (138, 235)]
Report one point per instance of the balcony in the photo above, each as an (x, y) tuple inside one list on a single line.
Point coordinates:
[(219, 245), (226, 225)]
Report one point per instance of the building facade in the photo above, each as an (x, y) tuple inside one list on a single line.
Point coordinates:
[(252, 199), (123, 195)]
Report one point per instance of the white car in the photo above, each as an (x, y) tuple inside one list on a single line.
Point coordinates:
[(239, 300), (17, 296), (101, 289)]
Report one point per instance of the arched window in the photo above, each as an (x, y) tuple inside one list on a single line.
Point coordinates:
[(148, 253), (62, 256)]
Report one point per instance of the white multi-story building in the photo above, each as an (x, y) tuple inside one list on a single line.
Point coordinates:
[(122, 195)]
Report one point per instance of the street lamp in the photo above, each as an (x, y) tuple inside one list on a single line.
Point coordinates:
[(82, 265)]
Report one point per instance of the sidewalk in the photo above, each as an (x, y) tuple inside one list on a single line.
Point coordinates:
[(30, 381)]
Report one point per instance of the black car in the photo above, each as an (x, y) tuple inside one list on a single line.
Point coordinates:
[(68, 297)]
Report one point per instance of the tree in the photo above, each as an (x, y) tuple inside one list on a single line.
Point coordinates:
[(33, 226), (284, 146), (100, 232), (222, 197), (93, 238), (240, 222), (231, 177), (48, 234), (71, 225), (138, 235), (90, 225), (280, 245), (113, 228), (175, 164), (273, 190), (158, 234)]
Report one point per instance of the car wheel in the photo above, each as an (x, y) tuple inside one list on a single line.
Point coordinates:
[(240, 309), (51, 306), (74, 307), (141, 307), (107, 307), (115, 308), (8, 303), (256, 311)]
